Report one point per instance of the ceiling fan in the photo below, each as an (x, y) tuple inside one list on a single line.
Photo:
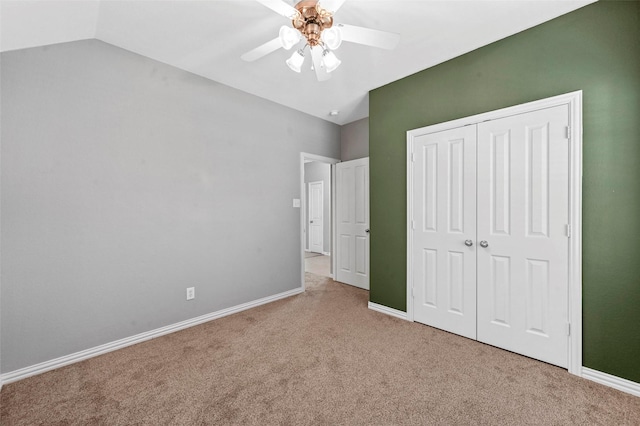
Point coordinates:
[(312, 23)]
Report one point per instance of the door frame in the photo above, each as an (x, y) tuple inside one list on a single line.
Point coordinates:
[(308, 213), (574, 102), (306, 157)]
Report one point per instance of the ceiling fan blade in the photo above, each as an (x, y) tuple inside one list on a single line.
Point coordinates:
[(262, 50), (316, 55), (369, 37), (332, 5), (280, 7)]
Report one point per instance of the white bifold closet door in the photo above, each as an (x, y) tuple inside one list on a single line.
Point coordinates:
[(523, 212), (490, 244), (444, 212)]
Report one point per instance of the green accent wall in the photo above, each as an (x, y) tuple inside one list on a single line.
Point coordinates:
[(595, 49)]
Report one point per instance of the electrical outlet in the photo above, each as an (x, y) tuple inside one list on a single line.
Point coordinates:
[(191, 293)]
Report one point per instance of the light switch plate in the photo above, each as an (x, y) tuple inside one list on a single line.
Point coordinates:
[(296, 202)]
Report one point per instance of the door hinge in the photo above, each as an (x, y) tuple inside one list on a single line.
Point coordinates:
[(568, 132), (413, 157), (568, 230), (413, 224), (568, 329)]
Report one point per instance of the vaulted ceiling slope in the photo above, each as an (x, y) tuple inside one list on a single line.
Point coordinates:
[(208, 37)]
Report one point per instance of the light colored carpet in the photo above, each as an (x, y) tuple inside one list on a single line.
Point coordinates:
[(318, 265), (318, 358), (308, 254)]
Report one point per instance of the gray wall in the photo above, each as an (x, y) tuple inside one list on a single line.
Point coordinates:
[(354, 140), (313, 172), (0, 221), (124, 181)]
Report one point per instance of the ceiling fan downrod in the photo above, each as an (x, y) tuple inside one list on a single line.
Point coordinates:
[(311, 20)]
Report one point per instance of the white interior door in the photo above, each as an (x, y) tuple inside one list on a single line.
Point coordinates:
[(316, 222), (523, 212), (444, 212), (352, 222)]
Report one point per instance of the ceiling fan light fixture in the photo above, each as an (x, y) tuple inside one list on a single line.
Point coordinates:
[(332, 38), (330, 61), (312, 23), (289, 37), (296, 60)]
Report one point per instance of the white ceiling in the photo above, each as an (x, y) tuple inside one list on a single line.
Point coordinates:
[(207, 37)]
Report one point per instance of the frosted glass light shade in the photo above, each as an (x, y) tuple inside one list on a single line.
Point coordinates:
[(330, 61), (332, 38), (296, 60), (289, 37)]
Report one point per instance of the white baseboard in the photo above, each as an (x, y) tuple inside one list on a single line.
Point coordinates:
[(43, 367), (615, 382), (387, 310), (326, 253)]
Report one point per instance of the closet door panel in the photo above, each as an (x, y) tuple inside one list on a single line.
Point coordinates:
[(444, 214), (523, 210)]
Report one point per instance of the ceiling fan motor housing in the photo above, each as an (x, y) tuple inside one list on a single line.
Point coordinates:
[(311, 20)]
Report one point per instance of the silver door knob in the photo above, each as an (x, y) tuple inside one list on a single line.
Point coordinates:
[(468, 243), (484, 244)]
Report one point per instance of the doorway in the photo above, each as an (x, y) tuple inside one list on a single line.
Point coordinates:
[(317, 215)]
